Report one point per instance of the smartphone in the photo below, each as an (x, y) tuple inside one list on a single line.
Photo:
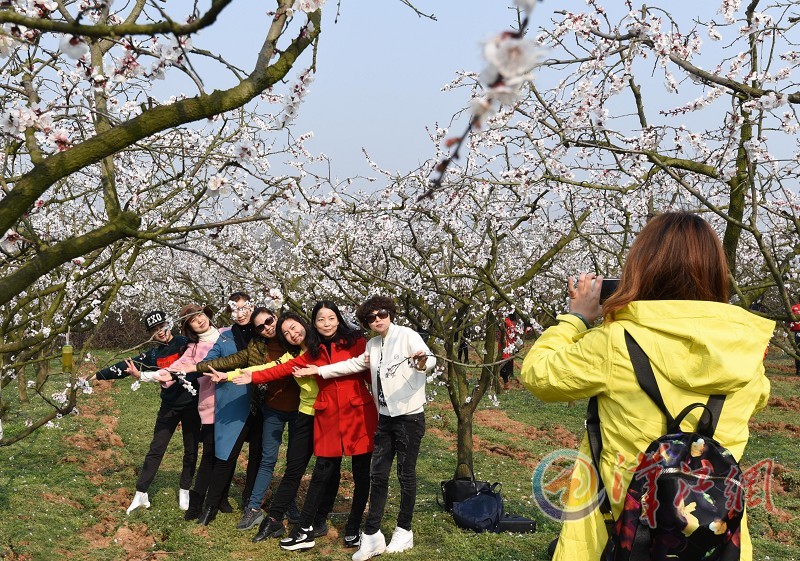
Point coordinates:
[(608, 288)]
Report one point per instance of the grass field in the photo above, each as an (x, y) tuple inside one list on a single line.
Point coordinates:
[(64, 490)]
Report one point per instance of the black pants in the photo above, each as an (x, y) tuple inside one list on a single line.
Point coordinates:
[(325, 485), (507, 370), (463, 351), (166, 422), (223, 470), (797, 344), (207, 461), (254, 437), (399, 436), (298, 454)]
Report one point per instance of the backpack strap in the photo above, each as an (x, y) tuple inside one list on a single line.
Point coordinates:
[(645, 376), (592, 424), (707, 424)]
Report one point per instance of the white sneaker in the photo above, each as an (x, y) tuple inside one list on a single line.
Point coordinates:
[(371, 545), (139, 499), (402, 540), (183, 499)]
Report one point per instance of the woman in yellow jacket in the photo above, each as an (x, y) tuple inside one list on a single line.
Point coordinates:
[(672, 299)]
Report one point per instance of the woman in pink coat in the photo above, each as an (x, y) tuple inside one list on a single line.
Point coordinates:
[(345, 420)]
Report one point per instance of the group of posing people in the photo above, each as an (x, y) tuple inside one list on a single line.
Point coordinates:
[(337, 393), (269, 371)]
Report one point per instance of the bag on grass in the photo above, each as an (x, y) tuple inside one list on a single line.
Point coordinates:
[(516, 524), (459, 488), (481, 512)]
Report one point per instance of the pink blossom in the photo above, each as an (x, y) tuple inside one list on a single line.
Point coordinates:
[(59, 138)]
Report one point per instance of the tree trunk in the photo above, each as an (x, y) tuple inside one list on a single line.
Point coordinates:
[(464, 439)]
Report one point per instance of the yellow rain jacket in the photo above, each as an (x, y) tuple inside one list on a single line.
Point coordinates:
[(696, 348)]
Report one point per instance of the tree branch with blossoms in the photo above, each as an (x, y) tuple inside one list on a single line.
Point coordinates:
[(512, 59)]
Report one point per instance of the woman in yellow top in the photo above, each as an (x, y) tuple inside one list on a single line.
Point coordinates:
[(294, 334), (673, 300)]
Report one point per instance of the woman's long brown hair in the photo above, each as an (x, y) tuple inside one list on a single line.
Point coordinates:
[(676, 256)]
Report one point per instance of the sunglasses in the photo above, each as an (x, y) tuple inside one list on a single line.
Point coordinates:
[(380, 314), (269, 321)]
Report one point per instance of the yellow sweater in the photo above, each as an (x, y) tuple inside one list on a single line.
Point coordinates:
[(308, 384)]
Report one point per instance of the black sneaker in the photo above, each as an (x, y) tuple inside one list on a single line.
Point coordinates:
[(320, 529), (299, 539), (270, 528), (352, 541), (250, 517)]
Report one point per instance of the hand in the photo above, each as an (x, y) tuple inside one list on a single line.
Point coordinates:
[(244, 378), (309, 370), (191, 367), (131, 369), (366, 360), (217, 376), (420, 360), (163, 377), (584, 296)]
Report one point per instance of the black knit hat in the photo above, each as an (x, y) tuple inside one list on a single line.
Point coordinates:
[(154, 318)]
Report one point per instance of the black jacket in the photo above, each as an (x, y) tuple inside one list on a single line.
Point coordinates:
[(160, 356)]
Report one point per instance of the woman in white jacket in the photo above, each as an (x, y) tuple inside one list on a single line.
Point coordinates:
[(399, 361)]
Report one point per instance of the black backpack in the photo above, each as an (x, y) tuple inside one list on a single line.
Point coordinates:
[(685, 501)]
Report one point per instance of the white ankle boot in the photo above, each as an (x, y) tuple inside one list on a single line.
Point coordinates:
[(183, 499), (402, 540), (139, 499), (371, 545)]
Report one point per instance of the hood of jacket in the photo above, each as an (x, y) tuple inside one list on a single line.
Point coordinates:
[(705, 347)]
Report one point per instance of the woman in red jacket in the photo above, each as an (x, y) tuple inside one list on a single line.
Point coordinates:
[(345, 420)]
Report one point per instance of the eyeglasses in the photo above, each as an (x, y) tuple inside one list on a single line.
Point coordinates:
[(269, 321), (380, 314), (238, 309)]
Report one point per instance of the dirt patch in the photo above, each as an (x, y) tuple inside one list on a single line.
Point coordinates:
[(522, 457), (791, 404), (780, 366), (61, 499), (499, 421), (133, 539), (791, 379), (495, 419), (97, 452), (787, 429), (445, 436)]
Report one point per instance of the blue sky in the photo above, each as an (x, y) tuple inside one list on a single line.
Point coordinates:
[(380, 70), (380, 74)]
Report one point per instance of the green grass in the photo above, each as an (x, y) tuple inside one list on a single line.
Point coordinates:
[(60, 499)]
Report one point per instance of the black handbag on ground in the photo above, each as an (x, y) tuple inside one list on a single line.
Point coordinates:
[(516, 524), (481, 512), (459, 488)]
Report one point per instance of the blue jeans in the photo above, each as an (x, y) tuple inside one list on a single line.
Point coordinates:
[(274, 423)]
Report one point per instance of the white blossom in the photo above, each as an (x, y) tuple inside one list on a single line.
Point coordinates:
[(307, 6), (73, 46)]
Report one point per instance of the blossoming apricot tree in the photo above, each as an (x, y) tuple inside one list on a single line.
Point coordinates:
[(98, 169)]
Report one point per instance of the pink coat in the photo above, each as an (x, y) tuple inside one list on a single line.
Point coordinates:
[(194, 353)]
